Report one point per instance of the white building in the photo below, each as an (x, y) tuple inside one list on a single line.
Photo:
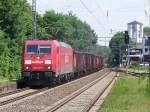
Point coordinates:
[(135, 30)]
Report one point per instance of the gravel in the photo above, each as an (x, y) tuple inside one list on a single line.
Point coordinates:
[(43, 100)]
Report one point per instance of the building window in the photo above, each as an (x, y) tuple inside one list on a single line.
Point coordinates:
[(146, 50), (146, 42)]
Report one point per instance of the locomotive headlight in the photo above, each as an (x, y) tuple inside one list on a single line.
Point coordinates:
[(48, 61), (27, 62), (49, 67)]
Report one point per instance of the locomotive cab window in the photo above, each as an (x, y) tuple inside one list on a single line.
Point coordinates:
[(32, 49), (38, 49), (44, 49)]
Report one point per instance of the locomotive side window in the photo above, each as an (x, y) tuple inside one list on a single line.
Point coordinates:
[(32, 49), (44, 49)]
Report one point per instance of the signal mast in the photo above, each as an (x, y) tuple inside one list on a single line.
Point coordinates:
[(33, 19)]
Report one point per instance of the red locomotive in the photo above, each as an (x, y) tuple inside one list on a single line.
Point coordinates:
[(46, 61)]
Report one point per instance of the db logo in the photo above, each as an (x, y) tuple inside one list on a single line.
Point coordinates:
[(37, 62)]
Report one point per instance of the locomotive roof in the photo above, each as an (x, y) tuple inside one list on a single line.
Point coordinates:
[(37, 41), (63, 44)]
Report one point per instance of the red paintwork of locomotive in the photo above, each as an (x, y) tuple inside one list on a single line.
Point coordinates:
[(50, 60)]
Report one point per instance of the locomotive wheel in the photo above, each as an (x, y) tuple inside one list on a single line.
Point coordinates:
[(58, 80), (69, 77), (66, 78)]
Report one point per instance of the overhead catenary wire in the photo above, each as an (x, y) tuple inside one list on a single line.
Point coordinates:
[(106, 16), (99, 7), (91, 13)]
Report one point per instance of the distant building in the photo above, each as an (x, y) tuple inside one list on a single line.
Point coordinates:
[(136, 54), (135, 30), (141, 52)]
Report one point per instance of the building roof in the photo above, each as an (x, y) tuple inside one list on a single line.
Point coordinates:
[(135, 22)]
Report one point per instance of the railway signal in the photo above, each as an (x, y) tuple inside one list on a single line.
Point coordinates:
[(126, 37), (126, 41)]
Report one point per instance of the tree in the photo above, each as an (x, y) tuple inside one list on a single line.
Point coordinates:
[(117, 47), (100, 50), (15, 26), (147, 31), (15, 19)]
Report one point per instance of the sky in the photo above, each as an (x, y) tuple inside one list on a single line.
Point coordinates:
[(105, 17)]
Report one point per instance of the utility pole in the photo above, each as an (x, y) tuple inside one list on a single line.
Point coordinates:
[(33, 19)]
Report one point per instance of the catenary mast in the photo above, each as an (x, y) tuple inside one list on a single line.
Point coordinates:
[(33, 19)]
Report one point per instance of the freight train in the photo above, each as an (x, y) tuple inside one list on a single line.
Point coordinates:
[(48, 61)]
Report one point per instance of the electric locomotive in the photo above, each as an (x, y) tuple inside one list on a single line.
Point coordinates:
[(45, 61)]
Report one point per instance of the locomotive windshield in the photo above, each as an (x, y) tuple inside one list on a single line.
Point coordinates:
[(38, 49), (43, 49), (32, 49)]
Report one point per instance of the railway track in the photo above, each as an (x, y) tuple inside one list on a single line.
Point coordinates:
[(83, 99), (18, 95), (13, 92), (10, 97), (8, 88), (41, 100)]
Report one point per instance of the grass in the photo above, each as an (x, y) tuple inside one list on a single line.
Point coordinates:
[(129, 94), (138, 69)]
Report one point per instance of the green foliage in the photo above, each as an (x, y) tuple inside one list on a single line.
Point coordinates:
[(147, 31), (15, 17), (134, 64), (117, 40), (101, 50), (117, 47), (9, 59), (15, 27)]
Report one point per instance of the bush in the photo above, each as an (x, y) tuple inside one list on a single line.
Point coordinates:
[(134, 64)]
